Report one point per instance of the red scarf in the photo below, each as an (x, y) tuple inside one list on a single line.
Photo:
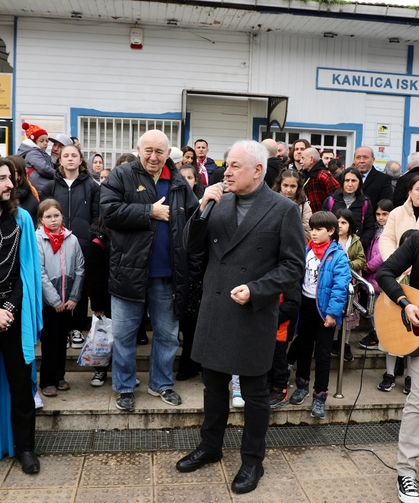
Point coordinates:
[(319, 249), (56, 240)]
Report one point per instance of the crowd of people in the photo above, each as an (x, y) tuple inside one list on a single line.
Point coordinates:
[(252, 286)]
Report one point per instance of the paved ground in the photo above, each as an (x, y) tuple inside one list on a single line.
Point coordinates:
[(294, 475)]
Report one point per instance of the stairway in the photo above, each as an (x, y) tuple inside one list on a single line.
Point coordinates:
[(88, 408)]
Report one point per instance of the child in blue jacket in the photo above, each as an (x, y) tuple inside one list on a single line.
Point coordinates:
[(324, 297)]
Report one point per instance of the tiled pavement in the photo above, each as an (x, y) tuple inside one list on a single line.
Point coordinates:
[(328, 474)]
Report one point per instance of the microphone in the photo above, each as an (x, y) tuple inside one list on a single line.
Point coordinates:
[(209, 207)]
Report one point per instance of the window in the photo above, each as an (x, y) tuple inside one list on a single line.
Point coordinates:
[(113, 136), (341, 142)]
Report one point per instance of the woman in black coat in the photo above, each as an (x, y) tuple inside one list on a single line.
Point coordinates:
[(351, 196), (78, 195)]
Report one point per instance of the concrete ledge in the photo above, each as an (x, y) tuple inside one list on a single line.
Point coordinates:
[(88, 408)]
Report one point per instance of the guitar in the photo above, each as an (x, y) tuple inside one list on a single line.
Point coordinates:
[(393, 335)]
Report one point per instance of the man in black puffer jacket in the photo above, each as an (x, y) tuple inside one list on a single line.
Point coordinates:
[(146, 205)]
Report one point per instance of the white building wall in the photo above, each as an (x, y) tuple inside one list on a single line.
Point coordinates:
[(286, 64), (64, 64), (390, 58)]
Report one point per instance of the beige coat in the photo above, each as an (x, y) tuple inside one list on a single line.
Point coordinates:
[(399, 221), (305, 217)]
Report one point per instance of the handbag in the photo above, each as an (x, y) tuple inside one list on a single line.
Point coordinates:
[(97, 350)]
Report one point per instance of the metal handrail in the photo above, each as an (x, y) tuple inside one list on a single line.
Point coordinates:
[(351, 306)]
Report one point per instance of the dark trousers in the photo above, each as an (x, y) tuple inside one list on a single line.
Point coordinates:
[(19, 376), (79, 319), (278, 376), (54, 346), (187, 326), (312, 334), (216, 408)]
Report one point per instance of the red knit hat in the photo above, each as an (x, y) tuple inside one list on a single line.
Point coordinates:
[(33, 132)]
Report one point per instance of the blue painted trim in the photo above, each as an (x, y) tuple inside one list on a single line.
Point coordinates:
[(407, 130), (14, 126), (354, 127), (75, 113)]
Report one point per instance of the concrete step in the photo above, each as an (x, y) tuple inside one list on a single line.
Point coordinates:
[(373, 359), (87, 408)]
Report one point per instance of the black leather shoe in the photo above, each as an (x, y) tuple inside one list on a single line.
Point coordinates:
[(196, 459), (247, 478), (29, 462)]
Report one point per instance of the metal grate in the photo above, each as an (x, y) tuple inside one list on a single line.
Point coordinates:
[(48, 442)]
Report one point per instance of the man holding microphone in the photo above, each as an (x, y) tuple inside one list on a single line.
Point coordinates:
[(255, 244)]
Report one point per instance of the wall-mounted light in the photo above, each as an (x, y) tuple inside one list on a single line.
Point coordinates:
[(394, 40), (76, 15), (330, 34), (136, 38), (172, 22)]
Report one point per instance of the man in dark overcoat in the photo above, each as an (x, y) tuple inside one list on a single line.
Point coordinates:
[(255, 244)]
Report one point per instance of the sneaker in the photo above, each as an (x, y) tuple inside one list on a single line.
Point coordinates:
[(38, 401), (168, 396), (299, 395), (318, 405), (278, 398), (407, 385), (347, 353), (77, 339), (237, 401), (408, 489), (126, 401), (370, 341), (388, 382), (98, 379)]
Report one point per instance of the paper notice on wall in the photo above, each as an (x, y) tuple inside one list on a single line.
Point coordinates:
[(382, 136)]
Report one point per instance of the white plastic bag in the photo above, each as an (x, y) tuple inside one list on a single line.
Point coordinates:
[(97, 350)]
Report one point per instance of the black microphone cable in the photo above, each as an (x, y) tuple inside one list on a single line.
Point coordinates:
[(361, 449)]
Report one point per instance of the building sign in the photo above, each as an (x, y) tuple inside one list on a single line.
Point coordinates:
[(5, 95), (359, 81)]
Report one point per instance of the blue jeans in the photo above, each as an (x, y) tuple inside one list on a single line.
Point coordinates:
[(126, 318)]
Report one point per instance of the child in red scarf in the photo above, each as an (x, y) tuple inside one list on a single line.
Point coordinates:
[(324, 297), (62, 267)]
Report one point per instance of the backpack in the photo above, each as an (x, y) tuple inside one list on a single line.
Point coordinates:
[(364, 210)]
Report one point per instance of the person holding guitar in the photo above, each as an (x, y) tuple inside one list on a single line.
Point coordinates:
[(407, 299)]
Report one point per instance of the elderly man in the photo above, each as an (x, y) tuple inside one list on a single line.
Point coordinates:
[(146, 204), (255, 246), (275, 165), (320, 183), (401, 190), (376, 185)]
